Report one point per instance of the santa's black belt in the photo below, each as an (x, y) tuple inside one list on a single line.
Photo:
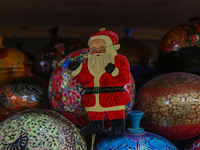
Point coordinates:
[(98, 90)]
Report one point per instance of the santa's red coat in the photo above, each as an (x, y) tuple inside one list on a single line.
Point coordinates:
[(107, 80)]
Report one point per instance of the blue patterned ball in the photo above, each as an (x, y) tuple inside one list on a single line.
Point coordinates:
[(143, 141)]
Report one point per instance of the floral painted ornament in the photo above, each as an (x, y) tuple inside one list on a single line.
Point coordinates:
[(179, 48), (39, 129), (65, 92)]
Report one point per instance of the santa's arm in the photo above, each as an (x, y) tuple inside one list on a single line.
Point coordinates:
[(121, 72)]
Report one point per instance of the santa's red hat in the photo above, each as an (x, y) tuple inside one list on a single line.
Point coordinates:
[(110, 37)]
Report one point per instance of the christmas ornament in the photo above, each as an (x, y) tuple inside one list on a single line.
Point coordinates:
[(22, 93), (136, 138), (171, 103), (179, 49), (100, 78), (11, 62), (39, 129)]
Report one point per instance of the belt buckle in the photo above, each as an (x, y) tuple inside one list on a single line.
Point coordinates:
[(96, 90)]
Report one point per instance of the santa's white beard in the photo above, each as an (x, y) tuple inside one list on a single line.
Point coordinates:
[(97, 64)]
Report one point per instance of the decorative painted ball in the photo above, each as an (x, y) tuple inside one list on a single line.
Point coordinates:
[(171, 103), (11, 62), (179, 48), (39, 129), (48, 57), (22, 93), (142, 58), (65, 92), (136, 139)]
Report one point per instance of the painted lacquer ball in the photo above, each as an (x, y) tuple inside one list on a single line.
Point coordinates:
[(171, 103), (179, 48), (65, 92), (136, 138), (23, 93), (39, 129), (142, 141), (11, 62)]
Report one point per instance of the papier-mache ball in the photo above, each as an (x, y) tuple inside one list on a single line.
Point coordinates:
[(11, 62), (23, 93), (39, 129), (65, 92), (136, 138), (179, 48), (171, 103)]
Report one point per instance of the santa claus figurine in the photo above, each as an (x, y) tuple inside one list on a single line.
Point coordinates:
[(104, 75)]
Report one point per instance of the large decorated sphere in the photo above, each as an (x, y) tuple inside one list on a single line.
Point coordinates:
[(22, 93), (171, 103), (136, 139), (142, 141), (65, 92), (179, 48), (48, 57), (39, 129), (11, 62)]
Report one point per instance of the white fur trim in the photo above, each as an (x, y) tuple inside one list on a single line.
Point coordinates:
[(117, 47)]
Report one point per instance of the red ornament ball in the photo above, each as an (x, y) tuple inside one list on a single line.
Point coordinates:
[(171, 105), (179, 48), (65, 92)]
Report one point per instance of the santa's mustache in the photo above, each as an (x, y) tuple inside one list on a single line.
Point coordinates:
[(100, 59)]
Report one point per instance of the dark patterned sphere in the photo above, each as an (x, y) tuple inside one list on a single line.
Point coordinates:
[(171, 105), (179, 48), (39, 130), (65, 92), (19, 94)]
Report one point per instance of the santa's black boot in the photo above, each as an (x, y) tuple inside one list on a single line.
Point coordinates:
[(93, 127), (118, 128)]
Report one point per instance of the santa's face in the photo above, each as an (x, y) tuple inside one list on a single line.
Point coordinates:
[(97, 47), (100, 56)]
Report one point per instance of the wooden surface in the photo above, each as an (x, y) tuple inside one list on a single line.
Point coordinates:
[(149, 18)]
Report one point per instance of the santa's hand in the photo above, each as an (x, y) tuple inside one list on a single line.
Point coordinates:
[(110, 68), (74, 64)]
